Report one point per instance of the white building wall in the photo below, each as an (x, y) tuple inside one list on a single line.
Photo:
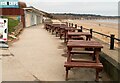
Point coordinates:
[(41, 19), (27, 19), (35, 22), (32, 18), (38, 19)]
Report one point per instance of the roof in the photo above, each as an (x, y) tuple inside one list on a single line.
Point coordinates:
[(31, 8)]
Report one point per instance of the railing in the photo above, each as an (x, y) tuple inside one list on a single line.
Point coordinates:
[(112, 36)]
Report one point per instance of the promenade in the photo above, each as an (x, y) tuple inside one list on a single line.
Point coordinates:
[(37, 56)]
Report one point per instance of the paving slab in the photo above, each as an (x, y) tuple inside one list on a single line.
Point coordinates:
[(13, 70)]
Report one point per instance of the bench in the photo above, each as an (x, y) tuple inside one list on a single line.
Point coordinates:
[(84, 52), (81, 52), (97, 66), (77, 38)]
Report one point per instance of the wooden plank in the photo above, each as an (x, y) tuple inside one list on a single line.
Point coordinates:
[(82, 61), (82, 52), (85, 65), (84, 44)]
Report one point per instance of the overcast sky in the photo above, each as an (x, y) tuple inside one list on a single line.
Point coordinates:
[(99, 7)]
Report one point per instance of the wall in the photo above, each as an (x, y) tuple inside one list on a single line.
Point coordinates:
[(13, 12), (32, 18), (27, 20)]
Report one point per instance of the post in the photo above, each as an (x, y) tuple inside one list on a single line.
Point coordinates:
[(81, 28), (91, 31), (72, 24), (75, 25), (112, 41), (69, 24)]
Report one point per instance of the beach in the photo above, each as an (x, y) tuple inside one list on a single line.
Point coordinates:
[(107, 28)]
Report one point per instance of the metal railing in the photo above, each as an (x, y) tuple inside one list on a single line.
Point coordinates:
[(111, 36)]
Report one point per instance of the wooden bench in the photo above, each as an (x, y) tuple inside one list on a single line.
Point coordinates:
[(91, 53), (77, 38), (81, 52), (97, 66)]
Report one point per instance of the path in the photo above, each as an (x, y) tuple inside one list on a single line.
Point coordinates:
[(37, 56)]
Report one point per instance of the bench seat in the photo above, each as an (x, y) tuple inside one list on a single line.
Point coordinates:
[(82, 52), (77, 37), (86, 65)]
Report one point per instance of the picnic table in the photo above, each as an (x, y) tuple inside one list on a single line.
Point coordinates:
[(78, 34), (56, 28), (70, 63), (65, 29)]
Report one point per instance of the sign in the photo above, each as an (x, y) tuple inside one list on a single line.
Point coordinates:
[(9, 4), (3, 30)]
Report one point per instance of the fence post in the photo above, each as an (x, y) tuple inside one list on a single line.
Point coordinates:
[(91, 31), (81, 28), (69, 24), (112, 41), (75, 25), (72, 24)]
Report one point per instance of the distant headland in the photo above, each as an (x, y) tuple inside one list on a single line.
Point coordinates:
[(81, 16)]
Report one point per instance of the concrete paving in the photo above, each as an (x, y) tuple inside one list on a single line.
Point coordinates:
[(38, 56)]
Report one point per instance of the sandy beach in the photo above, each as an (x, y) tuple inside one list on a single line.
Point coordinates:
[(102, 27)]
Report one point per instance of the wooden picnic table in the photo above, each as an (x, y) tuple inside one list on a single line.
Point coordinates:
[(64, 29), (72, 34), (51, 27), (56, 28), (85, 64)]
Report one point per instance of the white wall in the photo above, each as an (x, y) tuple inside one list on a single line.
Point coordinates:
[(27, 19), (35, 22), (31, 18)]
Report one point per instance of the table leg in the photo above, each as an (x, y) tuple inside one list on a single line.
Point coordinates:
[(97, 50), (86, 38), (65, 37), (97, 75), (69, 55)]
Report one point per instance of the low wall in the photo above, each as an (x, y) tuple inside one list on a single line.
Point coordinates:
[(111, 67), (18, 28)]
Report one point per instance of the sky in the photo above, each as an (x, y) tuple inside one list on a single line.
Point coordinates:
[(99, 7)]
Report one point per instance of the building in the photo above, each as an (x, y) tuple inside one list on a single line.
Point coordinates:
[(29, 16), (33, 16), (15, 12)]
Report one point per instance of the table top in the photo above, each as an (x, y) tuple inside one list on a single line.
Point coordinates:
[(78, 33), (58, 25), (84, 44), (71, 28)]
